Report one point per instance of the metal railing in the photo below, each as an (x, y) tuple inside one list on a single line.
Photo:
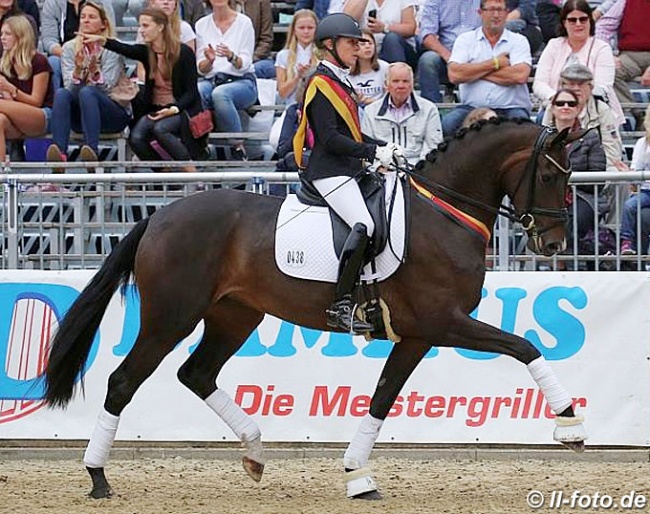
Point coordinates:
[(72, 221)]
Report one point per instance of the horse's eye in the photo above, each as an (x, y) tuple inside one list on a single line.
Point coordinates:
[(546, 179)]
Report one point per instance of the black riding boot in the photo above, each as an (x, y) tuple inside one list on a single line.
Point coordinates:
[(339, 314)]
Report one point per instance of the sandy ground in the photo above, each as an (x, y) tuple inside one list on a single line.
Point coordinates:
[(179, 485)]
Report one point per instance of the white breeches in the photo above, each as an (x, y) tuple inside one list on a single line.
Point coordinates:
[(344, 197)]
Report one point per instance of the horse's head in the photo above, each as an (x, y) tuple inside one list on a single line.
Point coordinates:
[(539, 197)]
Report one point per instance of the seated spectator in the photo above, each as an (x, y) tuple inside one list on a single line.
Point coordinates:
[(629, 18), (548, 14), (60, 23), (492, 66), (577, 44), (25, 7), (640, 162), (320, 7), (478, 114), (368, 76), (401, 118), (584, 154), (522, 19), (25, 84), (440, 24), (393, 25), (261, 14), (224, 56), (84, 104), (297, 57), (170, 90)]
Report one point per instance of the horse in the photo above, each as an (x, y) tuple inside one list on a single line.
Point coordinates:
[(209, 257)]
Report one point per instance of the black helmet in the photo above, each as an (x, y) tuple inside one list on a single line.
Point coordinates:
[(338, 25)]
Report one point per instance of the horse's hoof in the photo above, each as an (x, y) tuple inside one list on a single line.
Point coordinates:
[(101, 492), (253, 468), (370, 495), (576, 446)]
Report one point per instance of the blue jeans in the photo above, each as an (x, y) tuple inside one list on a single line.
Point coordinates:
[(630, 208), (432, 70), (265, 68), (88, 110), (394, 48), (226, 100), (453, 120), (57, 75)]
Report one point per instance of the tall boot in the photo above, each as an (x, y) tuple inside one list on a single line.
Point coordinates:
[(340, 314)]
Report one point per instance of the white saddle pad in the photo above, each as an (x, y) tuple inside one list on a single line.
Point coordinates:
[(304, 246)]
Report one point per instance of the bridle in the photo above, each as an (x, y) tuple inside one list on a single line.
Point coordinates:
[(527, 217)]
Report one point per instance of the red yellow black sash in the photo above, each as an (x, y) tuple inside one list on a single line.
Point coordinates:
[(344, 104)]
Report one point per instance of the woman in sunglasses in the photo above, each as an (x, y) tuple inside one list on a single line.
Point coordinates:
[(576, 44), (585, 154)]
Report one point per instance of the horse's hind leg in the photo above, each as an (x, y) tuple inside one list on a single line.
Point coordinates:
[(401, 362), (227, 326), (147, 353), (472, 334)]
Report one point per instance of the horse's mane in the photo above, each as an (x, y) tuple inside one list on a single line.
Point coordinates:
[(462, 132)]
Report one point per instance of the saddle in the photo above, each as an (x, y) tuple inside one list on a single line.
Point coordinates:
[(371, 185)]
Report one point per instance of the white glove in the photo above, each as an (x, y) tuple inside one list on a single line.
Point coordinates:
[(386, 154)]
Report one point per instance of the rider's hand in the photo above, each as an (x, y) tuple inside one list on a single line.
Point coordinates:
[(387, 155)]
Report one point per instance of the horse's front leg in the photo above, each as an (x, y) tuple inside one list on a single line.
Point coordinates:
[(472, 334), (401, 362)]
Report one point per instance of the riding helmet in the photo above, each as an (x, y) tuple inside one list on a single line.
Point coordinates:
[(337, 25)]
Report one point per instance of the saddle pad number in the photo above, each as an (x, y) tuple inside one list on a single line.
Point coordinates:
[(296, 258)]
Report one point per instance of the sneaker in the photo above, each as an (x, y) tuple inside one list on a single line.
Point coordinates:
[(87, 154), (238, 154), (627, 248), (55, 155)]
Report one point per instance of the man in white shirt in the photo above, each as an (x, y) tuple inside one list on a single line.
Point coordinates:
[(492, 66), (401, 118)]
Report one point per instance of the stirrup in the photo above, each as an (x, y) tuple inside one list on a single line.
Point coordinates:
[(341, 315)]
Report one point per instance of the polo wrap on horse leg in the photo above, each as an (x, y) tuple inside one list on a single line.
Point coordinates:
[(357, 476), (101, 440), (239, 422), (568, 429), (341, 312)]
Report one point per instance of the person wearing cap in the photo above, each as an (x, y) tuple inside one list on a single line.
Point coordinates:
[(338, 154), (576, 44)]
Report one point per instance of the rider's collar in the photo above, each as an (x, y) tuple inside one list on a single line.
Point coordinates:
[(341, 74)]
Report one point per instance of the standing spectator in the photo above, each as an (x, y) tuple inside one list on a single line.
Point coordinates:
[(392, 24), (401, 118), (26, 104), (83, 104), (492, 66), (224, 56), (441, 23), (584, 154), (368, 75), (640, 162), (522, 19), (633, 61), (297, 57), (170, 91), (261, 14), (577, 44), (60, 23)]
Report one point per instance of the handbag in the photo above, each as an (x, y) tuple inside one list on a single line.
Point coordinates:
[(124, 91), (201, 123)]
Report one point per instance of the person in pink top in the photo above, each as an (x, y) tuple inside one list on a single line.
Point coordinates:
[(577, 44)]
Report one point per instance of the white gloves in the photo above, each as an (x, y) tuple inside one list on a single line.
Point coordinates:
[(387, 154)]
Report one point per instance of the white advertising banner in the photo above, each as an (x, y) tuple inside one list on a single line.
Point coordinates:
[(306, 385)]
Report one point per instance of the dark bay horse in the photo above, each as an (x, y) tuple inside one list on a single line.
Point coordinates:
[(210, 257)]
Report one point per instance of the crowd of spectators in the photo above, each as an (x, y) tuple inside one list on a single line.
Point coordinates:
[(60, 64)]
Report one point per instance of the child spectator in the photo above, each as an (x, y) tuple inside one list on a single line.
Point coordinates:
[(368, 76)]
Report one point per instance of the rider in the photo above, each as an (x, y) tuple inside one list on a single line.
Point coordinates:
[(338, 154)]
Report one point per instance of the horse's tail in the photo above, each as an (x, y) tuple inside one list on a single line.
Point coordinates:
[(71, 344)]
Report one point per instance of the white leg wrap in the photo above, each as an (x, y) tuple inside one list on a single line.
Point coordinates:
[(557, 397), (239, 422), (358, 452), (101, 440)]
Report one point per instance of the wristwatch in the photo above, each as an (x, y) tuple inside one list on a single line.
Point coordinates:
[(386, 29)]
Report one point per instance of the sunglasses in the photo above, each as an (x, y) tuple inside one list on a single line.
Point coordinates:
[(581, 19), (562, 103)]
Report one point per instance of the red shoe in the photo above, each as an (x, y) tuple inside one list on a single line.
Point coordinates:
[(627, 248)]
